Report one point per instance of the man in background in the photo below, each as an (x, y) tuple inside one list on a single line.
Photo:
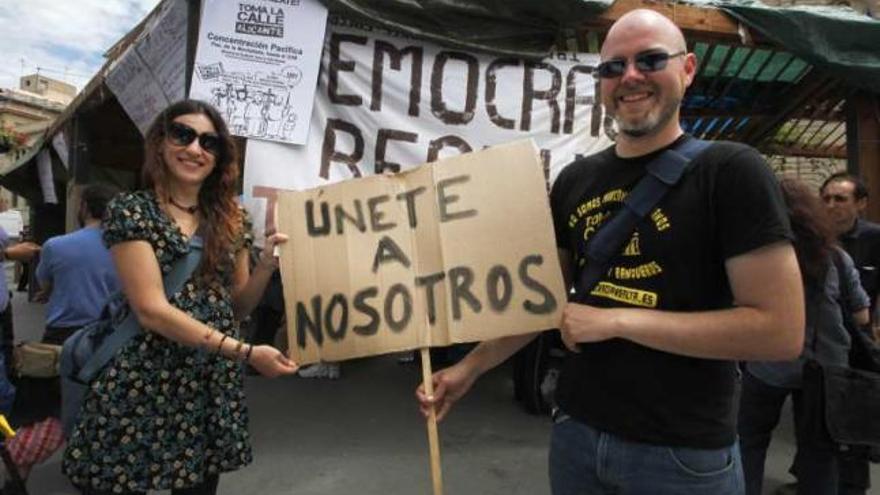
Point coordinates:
[(846, 198), (76, 272), (22, 251)]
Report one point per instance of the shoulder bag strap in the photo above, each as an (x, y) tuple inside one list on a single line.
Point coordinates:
[(130, 327), (663, 173)]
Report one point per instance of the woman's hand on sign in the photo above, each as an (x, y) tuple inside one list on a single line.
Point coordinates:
[(450, 384), (270, 362), (269, 256), (583, 324)]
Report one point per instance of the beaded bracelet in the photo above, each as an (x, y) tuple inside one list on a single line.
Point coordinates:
[(247, 355), (220, 345)]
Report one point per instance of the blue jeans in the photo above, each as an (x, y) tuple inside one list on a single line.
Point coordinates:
[(585, 461)]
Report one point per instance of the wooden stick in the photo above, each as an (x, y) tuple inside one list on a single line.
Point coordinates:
[(433, 439)]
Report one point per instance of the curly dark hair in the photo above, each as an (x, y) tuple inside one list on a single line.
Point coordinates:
[(221, 216), (812, 226)]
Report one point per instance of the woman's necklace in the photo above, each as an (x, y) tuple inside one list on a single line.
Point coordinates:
[(189, 209)]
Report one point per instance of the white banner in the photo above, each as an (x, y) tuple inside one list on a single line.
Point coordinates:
[(47, 180), (257, 62), (59, 143), (149, 75), (388, 102)]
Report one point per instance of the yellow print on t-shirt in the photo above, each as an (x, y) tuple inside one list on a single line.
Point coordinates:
[(661, 221), (627, 295), (633, 248), (584, 209), (647, 270)]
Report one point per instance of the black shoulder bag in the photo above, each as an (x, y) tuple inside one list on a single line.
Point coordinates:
[(536, 367), (841, 403), (87, 352)]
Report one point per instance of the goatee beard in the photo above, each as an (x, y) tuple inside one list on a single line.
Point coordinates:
[(650, 126), (636, 133)]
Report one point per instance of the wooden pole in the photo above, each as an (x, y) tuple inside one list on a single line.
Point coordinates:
[(863, 146), (433, 438)]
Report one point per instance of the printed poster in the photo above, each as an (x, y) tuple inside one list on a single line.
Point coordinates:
[(257, 61), (148, 76)]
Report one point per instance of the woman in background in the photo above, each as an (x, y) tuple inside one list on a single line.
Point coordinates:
[(767, 384)]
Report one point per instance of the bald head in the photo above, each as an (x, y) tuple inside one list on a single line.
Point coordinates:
[(644, 24)]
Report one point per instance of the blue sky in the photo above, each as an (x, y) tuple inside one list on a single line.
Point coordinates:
[(65, 39)]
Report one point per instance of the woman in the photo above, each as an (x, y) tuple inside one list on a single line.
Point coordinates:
[(168, 412), (767, 384)]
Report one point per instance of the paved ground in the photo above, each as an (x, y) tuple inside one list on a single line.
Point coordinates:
[(362, 435)]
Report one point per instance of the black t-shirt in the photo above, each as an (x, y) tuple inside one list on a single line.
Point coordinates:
[(728, 204)]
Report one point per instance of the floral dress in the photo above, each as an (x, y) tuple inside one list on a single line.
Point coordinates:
[(162, 415)]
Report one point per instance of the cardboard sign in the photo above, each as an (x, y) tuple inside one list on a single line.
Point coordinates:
[(457, 251)]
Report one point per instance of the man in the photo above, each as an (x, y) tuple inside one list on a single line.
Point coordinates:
[(22, 251), (647, 397), (846, 198), (75, 270)]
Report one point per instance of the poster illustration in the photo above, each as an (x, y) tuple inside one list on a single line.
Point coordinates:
[(257, 62)]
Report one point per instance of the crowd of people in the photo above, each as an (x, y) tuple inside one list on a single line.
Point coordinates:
[(677, 394)]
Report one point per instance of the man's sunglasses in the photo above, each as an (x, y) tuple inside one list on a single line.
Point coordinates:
[(644, 62), (183, 135)]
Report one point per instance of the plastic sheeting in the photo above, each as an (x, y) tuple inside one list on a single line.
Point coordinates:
[(525, 28), (834, 39)]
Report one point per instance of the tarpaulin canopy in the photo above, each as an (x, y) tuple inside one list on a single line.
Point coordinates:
[(835, 39), (518, 27)]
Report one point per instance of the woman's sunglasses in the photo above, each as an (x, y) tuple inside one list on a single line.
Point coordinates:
[(183, 135), (644, 62)]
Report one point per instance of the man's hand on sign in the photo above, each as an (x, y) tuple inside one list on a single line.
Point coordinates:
[(582, 324), (269, 255), (270, 362), (450, 384)]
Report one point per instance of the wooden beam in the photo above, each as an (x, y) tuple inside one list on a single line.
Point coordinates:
[(865, 148), (700, 22), (796, 99), (775, 149)]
